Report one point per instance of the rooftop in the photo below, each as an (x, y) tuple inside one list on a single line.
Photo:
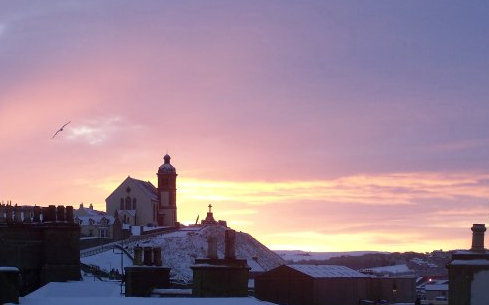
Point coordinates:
[(327, 271)]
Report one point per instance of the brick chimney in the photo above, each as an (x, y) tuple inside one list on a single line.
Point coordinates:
[(478, 237)]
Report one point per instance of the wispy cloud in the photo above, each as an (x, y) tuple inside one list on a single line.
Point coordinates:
[(375, 189), (97, 131)]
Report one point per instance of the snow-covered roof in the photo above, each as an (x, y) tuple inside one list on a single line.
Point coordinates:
[(83, 211), (390, 269), (469, 262), (327, 271), (108, 293), (255, 267), (436, 287), (85, 220)]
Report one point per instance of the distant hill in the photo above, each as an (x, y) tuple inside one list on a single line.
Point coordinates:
[(292, 256), (180, 248), (419, 264)]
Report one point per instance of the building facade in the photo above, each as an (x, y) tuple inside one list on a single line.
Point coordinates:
[(140, 203), (97, 224)]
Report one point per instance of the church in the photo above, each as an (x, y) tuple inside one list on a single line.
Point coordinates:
[(139, 203)]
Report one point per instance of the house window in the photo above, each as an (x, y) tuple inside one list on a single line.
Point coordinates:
[(103, 233), (134, 201), (104, 221)]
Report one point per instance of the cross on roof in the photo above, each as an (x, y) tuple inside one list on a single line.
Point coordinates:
[(210, 207)]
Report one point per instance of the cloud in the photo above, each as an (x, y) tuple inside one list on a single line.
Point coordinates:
[(98, 131), (366, 189), (418, 211)]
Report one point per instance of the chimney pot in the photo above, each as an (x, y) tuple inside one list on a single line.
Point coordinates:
[(478, 237)]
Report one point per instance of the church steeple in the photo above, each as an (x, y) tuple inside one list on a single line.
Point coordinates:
[(167, 193)]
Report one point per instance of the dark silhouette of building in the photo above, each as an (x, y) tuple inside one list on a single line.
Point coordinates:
[(329, 285), (146, 274), (468, 272), (43, 243)]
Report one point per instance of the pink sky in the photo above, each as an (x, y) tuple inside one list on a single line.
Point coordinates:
[(316, 126)]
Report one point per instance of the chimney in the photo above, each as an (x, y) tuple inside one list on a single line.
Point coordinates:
[(8, 214), (37, 214), (157, 256), (60, 211), (230, 244), (10, 283), (3, 209), (18, 214), (478, 237), (69, 214), (148, 256), (138, 256), (212, 247)]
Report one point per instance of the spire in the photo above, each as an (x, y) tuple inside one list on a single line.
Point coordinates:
[(167, 159)]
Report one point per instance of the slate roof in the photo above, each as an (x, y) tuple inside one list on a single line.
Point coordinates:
[(436, 287), (148, 188), (85, 220), (327, 271)]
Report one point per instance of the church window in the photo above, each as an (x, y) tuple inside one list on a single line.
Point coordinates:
[(134, 201), (128, 203)]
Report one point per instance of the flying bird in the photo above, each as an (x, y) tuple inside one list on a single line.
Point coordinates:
[(61, 129)]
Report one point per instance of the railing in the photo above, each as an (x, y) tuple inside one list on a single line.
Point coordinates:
[(131, 239)]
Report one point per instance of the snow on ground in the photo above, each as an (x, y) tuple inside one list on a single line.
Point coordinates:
[(391, 269), (107, 260), (297, 255), (180, 248)]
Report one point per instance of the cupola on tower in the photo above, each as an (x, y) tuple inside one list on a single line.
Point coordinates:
[(167, 193)]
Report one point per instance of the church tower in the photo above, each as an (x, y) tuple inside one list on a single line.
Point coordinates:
[(167, 194)]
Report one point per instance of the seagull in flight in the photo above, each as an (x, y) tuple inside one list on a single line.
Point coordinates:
[(61, 129)]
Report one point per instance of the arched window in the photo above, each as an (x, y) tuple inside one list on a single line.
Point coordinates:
[(128, 203), (134, 201), (122, 203)]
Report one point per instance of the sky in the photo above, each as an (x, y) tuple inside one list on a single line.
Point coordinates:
[(312, 125)]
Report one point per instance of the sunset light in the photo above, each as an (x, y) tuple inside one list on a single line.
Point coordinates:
[(311, 126)]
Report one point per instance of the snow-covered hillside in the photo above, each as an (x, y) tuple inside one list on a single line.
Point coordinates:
[(180, 248)]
